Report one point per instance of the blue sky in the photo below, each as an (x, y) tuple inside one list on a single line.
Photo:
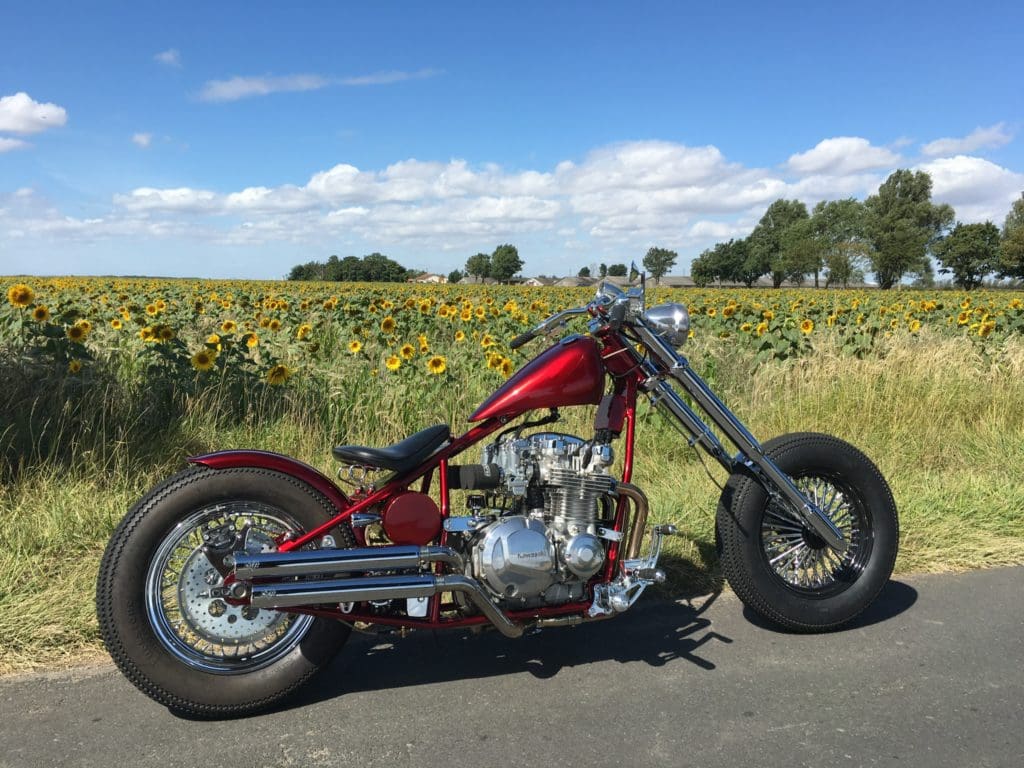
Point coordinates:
[(237, 139)]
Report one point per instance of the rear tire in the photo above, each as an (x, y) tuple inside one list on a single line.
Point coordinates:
[(174, 644), (779, 568)]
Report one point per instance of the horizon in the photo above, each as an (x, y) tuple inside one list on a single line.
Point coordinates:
[(233, 144)]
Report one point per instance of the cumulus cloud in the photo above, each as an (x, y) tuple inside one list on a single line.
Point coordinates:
[(6, 145), (842, 155), (21, 113), (978, 189), (142, 139), (171, 57), (980, 138)]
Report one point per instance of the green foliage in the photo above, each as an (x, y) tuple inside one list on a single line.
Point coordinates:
[(584, 272), (505, 262), (767, 241), (479, 265), (602, 271), (969, 252), (839, 228), (373, 268), (617, 270), (725, 262), (659, 261), (455, 275), (1011, 248), (902, 223)]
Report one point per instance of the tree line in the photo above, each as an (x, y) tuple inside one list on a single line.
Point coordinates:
[(893, 233)]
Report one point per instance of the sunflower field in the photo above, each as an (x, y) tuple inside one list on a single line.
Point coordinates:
[(109, 383)]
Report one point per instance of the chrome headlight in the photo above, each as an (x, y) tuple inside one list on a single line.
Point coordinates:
[(670, 320)]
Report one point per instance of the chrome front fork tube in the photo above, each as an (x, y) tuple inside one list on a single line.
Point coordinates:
[(776, 482)]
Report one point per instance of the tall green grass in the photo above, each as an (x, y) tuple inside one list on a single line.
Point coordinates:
[(943, 420)]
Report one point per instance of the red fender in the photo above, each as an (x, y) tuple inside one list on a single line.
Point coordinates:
[(278, 463)]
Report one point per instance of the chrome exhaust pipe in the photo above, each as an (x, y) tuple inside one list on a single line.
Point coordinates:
[(319, 562), (297, 593), (641, 507)]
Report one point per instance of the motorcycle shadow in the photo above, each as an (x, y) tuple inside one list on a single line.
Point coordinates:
[(654, 632)]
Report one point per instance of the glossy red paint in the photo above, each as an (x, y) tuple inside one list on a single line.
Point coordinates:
[(411, 518), (278, 463), (569, 373)]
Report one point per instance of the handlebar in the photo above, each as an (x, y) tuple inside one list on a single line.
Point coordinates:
[(611, 303)]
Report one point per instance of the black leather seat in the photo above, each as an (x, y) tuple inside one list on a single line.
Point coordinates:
[(399, 457)]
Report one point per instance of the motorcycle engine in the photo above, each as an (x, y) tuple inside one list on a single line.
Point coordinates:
[(543, 544)]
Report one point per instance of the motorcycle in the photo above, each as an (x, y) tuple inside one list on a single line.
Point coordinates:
[(229, 585)]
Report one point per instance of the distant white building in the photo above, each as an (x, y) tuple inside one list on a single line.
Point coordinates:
[(429, 277)]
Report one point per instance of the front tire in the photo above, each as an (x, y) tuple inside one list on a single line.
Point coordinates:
[(195, 654), (778, 567)]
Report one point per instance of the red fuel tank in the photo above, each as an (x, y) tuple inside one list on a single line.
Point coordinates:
[(569, 373)]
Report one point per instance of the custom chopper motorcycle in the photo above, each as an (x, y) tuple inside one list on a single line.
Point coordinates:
[(230, 584)]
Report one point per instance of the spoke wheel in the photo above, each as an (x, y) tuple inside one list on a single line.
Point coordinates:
[(785, 572), (206, 632), (800, 558)]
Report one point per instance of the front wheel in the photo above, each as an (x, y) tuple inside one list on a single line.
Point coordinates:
[(157, 605), (779, 567)]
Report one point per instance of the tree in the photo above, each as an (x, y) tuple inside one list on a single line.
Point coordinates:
[(902, 223), (617, 270), (375, 267), (799, 253), (969, 252), (766, 241), (658, 261), (839, 227), (455, 275), (1011, 248), (378, 268), (479, 266), (584, 272), (602, 271), (725, 262), (311, 270), (505, 262)]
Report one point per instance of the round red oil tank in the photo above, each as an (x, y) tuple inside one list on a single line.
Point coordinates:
[(569, 373), (411, 518)]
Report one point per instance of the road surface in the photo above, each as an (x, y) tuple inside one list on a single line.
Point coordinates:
[(932, 676)]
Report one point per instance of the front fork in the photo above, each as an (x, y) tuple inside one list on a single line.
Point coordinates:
[(777, 483)]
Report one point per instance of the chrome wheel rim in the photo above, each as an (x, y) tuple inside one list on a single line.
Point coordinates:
[(206, 632), (799, 558)]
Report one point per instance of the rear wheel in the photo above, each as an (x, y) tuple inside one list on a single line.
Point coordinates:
[(183, 646), (779, 567)]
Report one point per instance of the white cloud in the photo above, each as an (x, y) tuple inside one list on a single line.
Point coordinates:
[(180, 199), (171, 57), (20, 113), (980, 138), (978, 189), (236, 88), (142, 139), (6, 145), (842, 155), (386, 78)]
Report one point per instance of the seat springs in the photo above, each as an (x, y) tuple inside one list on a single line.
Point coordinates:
[(356, 474)]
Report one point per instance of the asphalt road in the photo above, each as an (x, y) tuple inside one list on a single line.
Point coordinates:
[(932, 676)]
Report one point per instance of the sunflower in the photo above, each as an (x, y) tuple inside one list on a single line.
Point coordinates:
[(729, 311), (746, 327), (278, 375), (203, 359), (479, 312), (152, 310), (407, 351), (85, 325), (116, 324), (965, 304), (76, 333), (303, 331), (437, 365), (165, 332), (147, 334), (712, 312), (424, 347), (487, 341), (41, 314), (963, 318), (20, 295), (354, 346), (387, 325), (251, 340), (275, 324), (74, 366), (393, 363), (768, 315), (986, 328), (466, 315), (915, 326), (807, 326), (228, 326), (506, 367), (460, 336)]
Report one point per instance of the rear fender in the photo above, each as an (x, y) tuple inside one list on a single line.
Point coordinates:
[(278, 463)]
